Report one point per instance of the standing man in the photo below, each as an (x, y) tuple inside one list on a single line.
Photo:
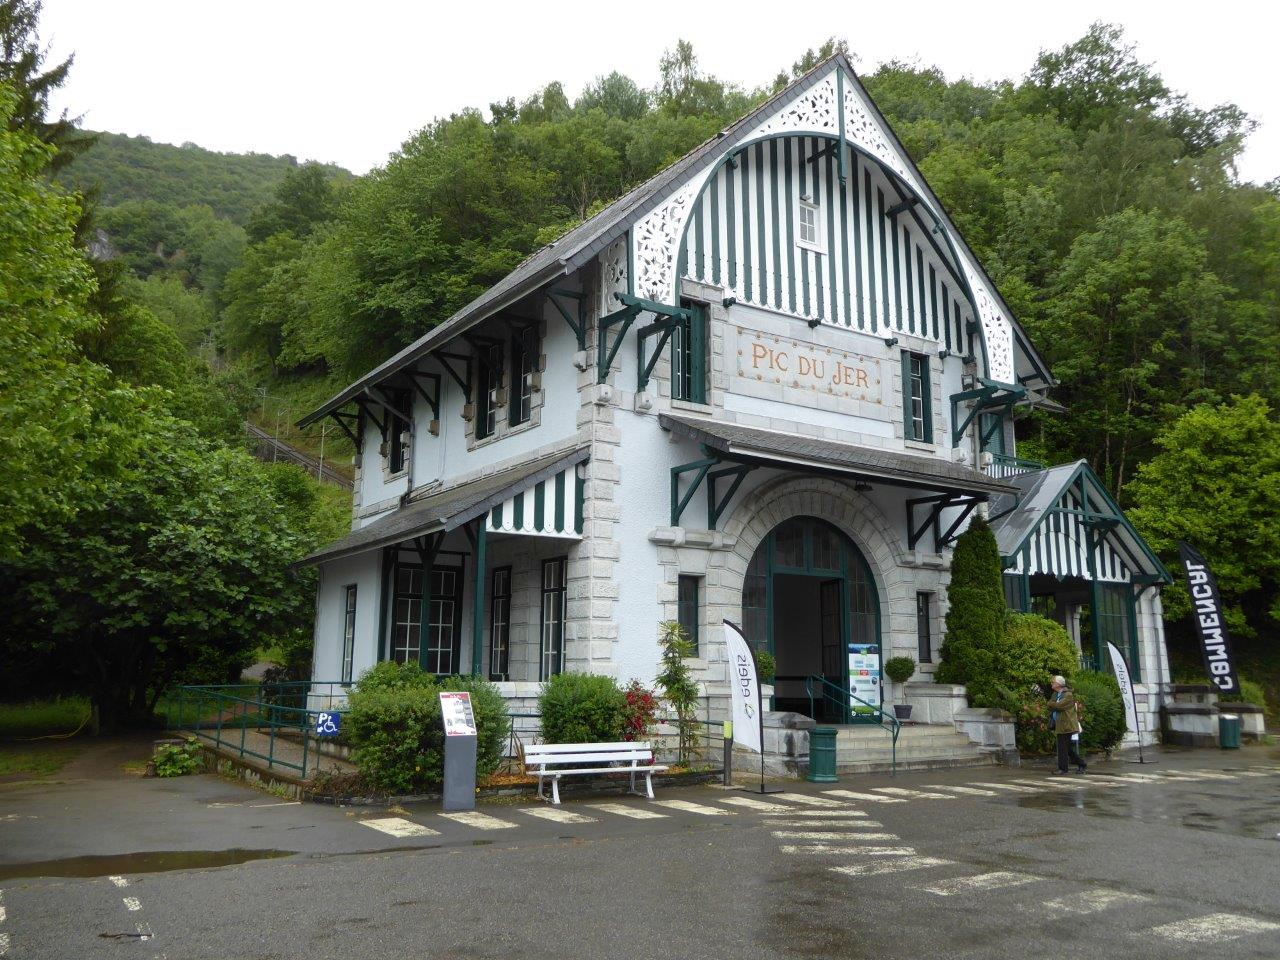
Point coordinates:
[(1065, 721)]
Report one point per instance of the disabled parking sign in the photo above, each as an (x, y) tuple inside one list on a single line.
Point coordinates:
[(328, 724)]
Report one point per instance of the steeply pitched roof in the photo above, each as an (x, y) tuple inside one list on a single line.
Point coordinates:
[(585, 241)]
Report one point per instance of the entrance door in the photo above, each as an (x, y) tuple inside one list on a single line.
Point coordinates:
[(831, 642)]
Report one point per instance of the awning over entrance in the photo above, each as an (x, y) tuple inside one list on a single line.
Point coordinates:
[(1064, 523), (769, 448), (542, 497)]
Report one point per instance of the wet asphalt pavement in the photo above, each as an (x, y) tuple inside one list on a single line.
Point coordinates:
[(1176, 859)]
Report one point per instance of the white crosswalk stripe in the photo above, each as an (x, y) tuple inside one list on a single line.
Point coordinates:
[(996, 880), (481, 821), (557, 814), (627, 810), (818, 815), (1010, 787), (966, 791), (1215, 928), (912, 794), (1091, 901), (868, 797), (688, 806), (808, 800), (829, 849), (1060, 783), (877, 868), (760, 805), (831, 835), (400, 827)]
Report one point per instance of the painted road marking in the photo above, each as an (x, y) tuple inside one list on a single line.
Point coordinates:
[(880, 867), (144, 931), (1214, 927), (1091, 901), (4, 936), (968, 791), (758, 805), (119, 881), (1060, 783), (1004, 786), (400, 827), (872, 797), (808, 800), (984, 881), (276, 803), (830, 835), (558, 815), (912, 794), (689, 807), (828, 849), (481, 821), (626, 810), (801, 816), (133, 903)]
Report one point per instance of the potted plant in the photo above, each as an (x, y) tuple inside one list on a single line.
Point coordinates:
[(765, 670), (899, 671)]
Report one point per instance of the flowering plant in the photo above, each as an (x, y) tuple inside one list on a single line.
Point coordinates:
[(642, 712)]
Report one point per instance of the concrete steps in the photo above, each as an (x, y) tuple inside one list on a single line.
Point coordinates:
[(868, 749)]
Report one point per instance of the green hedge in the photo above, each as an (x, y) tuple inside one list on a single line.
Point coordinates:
[(1103, 713), (394, 727), (582, 708)]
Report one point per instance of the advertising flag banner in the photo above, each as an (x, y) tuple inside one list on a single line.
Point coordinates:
[(1121, 669), (1206, 611), (744, 690)]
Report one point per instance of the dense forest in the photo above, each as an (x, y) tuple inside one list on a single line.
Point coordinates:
[(1105, 205)]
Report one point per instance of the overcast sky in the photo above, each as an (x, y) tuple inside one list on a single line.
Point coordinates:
[(347, 81)]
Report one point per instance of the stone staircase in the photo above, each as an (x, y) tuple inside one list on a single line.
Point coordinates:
[(866, 748)]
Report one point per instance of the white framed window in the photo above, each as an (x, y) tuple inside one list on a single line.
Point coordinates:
[(809, 215), (348, 631)]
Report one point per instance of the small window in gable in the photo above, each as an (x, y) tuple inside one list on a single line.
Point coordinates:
[(810, 217)]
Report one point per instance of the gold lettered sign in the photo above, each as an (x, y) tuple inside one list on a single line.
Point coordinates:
[(767, 359)]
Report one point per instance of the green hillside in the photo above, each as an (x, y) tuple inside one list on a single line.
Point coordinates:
[(136, 168)]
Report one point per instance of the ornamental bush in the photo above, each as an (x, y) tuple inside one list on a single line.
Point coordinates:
[(1032, 649), (393, 724), (582, 708), (975, 616), (1102, 715), (642, 712)]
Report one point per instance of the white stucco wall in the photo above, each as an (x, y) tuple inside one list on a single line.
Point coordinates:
[(362, 570)]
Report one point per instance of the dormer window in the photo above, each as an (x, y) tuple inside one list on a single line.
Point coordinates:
[(809, 217), (398, 428), (488, 389)]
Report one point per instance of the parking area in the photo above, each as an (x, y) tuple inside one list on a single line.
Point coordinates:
[(1154, 860)]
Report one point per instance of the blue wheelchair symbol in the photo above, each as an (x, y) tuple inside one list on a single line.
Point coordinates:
[(328, 724)]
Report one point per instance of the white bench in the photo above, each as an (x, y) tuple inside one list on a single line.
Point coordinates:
[(580, 759)]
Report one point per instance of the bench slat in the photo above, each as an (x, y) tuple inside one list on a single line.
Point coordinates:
[(642, 756), (588, 747), (585, 770)]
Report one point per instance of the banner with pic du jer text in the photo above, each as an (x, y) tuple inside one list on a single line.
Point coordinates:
[(1206, 611), (744, 690), (1125, 680)]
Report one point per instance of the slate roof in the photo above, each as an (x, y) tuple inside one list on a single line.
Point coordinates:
[(870, 463), (585, 241), (448, 508)]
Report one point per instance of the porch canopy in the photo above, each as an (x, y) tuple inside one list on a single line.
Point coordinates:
[(539, 498), (732, 450)]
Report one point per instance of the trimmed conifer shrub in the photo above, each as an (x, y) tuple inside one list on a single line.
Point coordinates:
[(975, 617)]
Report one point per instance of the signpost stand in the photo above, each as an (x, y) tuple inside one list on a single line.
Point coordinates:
[(460, 740)]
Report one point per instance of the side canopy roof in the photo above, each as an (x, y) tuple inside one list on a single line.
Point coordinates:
[(828, 102), (1059, 518)]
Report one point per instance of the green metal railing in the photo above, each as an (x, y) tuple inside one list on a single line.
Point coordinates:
[(1005, 466), (225, 714), (837, 697)]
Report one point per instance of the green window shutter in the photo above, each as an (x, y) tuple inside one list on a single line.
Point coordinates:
[(926, 387)]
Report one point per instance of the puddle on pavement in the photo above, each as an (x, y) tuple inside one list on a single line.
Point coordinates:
[(127, 863)]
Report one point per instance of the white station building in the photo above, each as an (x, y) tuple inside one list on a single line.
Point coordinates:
[(771, 384)]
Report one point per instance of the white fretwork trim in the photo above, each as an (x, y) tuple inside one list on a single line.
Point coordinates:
[(658, 234), (613, 275)]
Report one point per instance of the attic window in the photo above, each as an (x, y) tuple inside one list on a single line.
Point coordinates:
[(809, 216)]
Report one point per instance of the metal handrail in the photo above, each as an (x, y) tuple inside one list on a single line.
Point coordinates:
[(886, 721)]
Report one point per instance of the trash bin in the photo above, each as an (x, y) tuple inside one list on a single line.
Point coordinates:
[(1229, 731), (822, 755)]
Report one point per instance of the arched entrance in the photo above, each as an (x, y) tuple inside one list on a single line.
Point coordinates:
[(809, 598)]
